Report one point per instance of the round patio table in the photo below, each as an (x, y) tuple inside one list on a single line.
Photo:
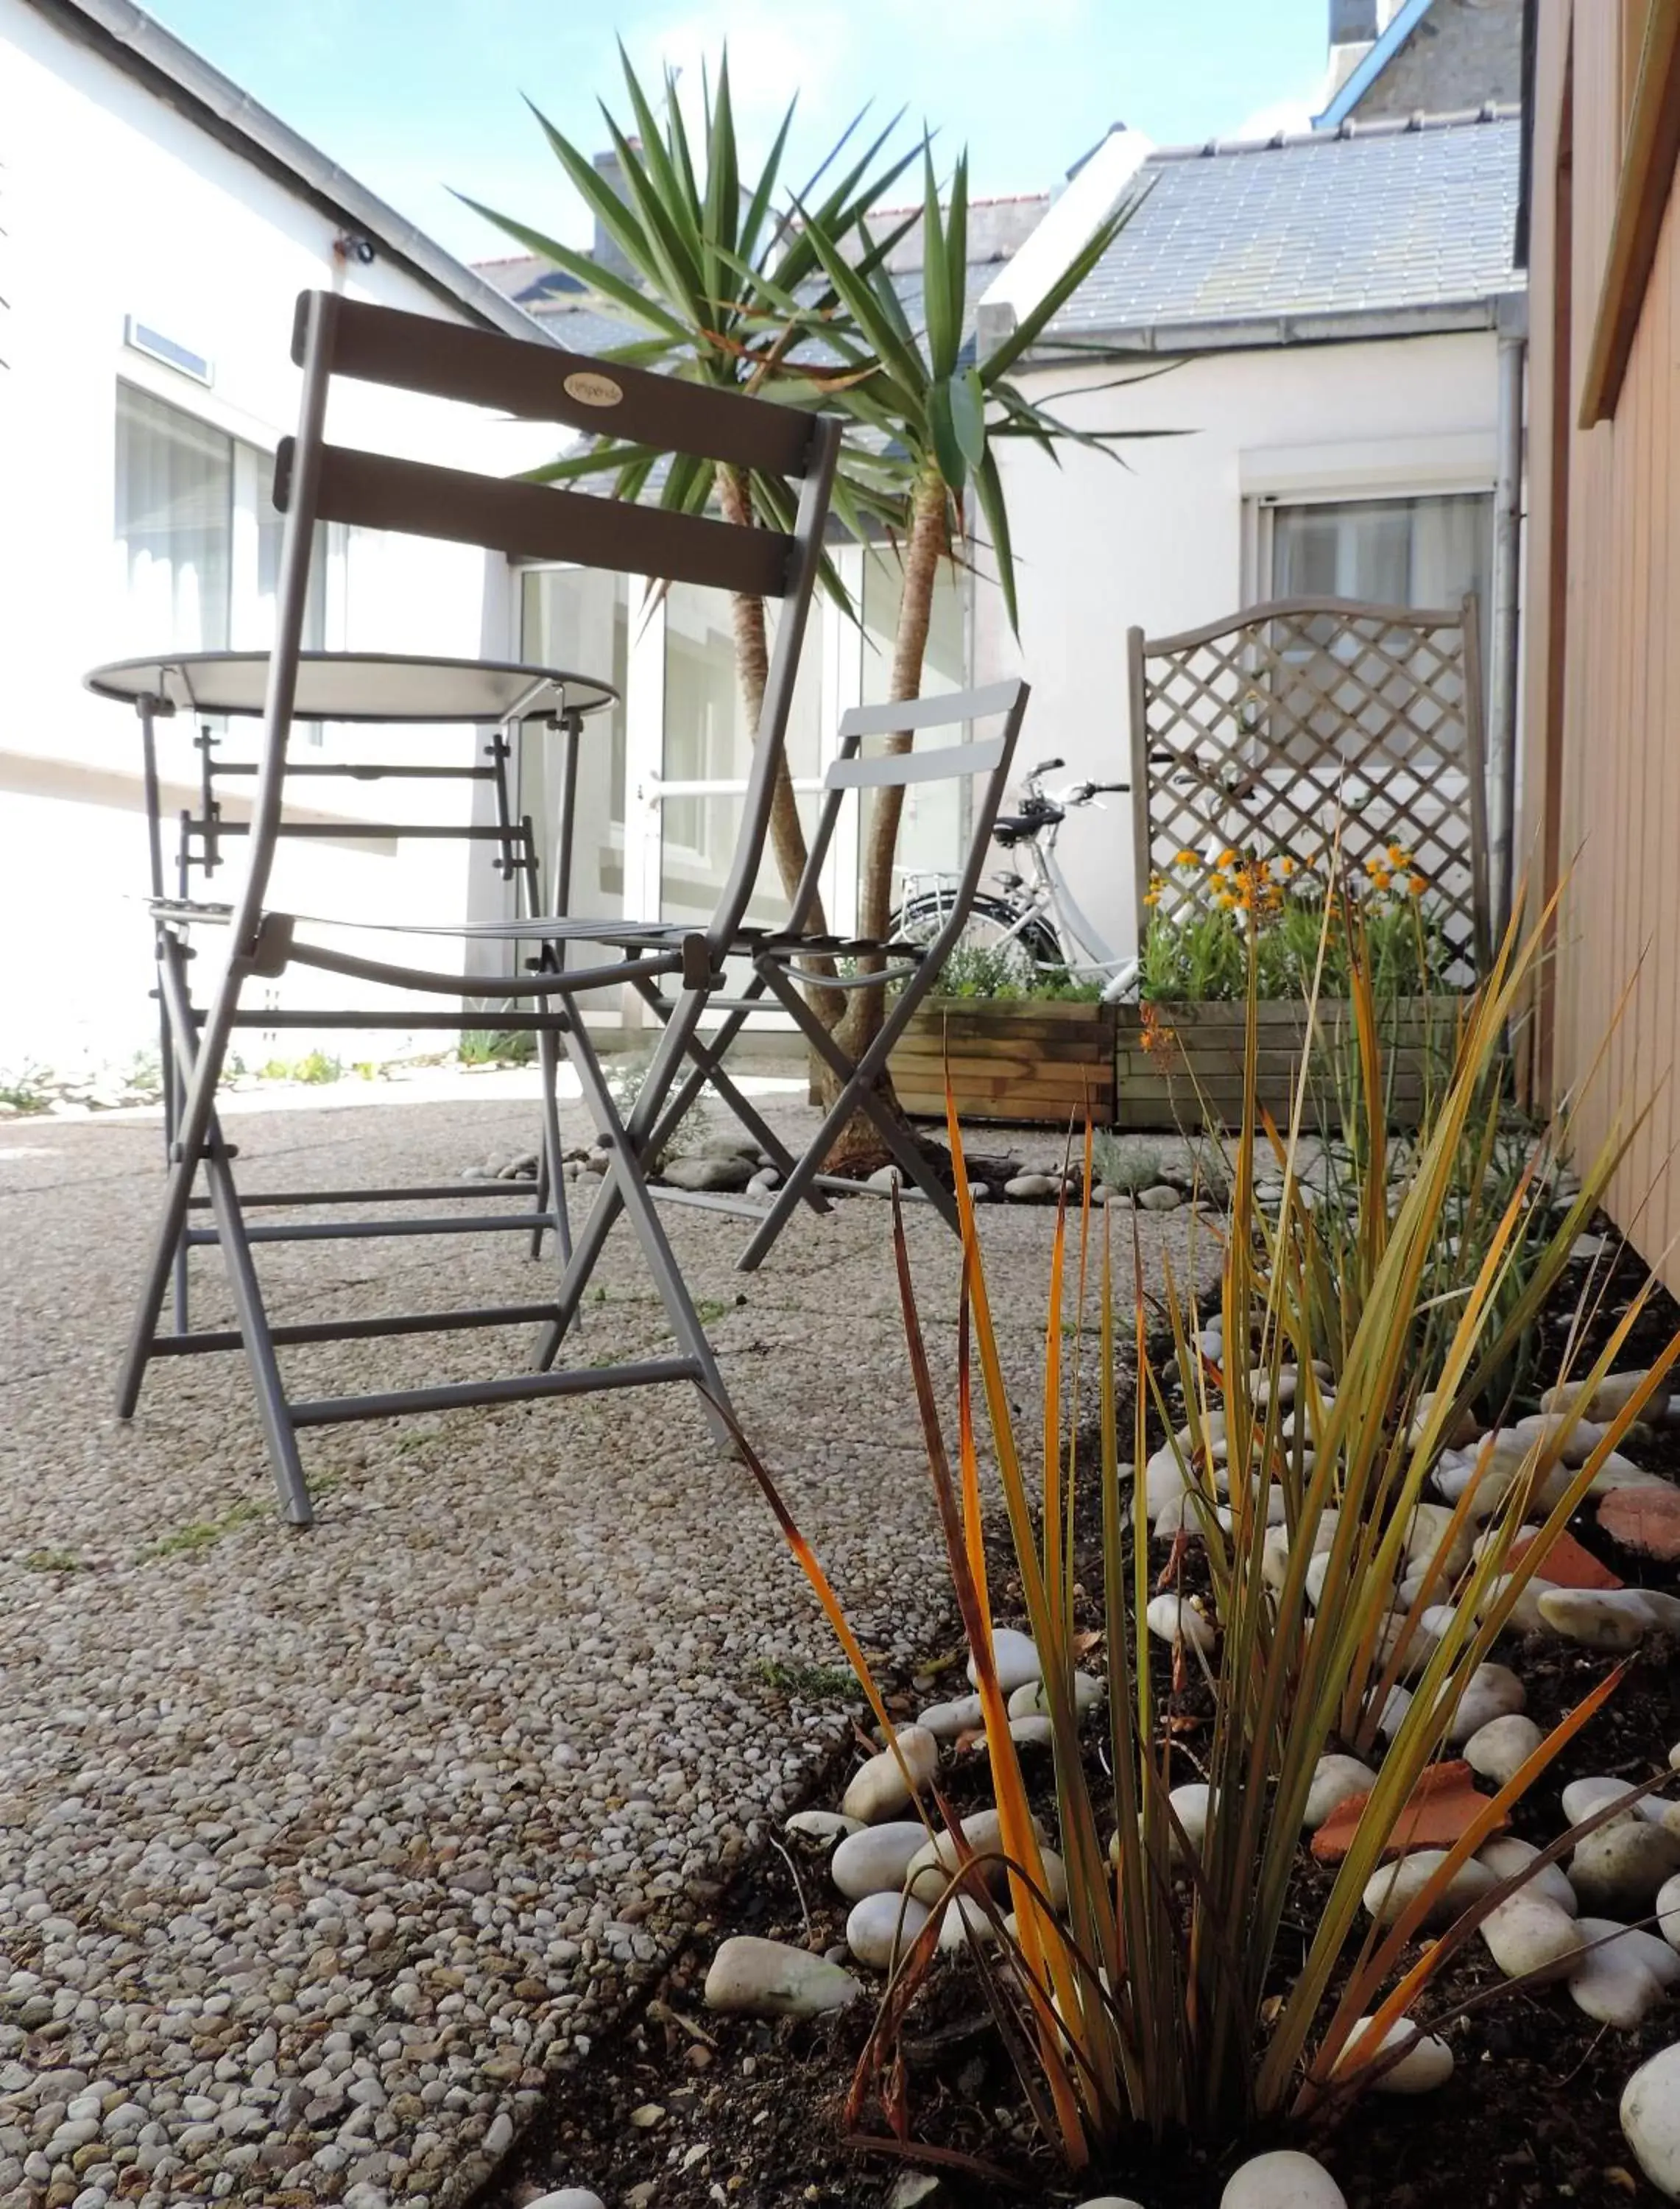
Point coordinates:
[(363, 688)]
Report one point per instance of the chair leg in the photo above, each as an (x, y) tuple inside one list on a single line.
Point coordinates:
[(278, 1431), (552, 1172), (599, 1221), (708, 1066), (626, 1174), (277, 1428), (858, 1092)]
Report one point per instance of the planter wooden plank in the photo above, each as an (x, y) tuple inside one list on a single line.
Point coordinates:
[(1025, 1062)]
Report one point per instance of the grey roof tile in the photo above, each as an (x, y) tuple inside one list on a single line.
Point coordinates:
[(1324, 225)]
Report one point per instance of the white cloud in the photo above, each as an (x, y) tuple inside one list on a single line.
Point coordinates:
[(1288, 115)]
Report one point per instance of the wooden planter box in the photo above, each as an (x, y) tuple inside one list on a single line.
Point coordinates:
[(1198, 1077), (1024, 1060)]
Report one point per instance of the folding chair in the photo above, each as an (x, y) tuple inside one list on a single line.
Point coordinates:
[(338, 338), (914, 967)]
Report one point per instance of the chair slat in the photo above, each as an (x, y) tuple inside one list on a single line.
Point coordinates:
[(541, 382), (885, 770), (537, 522), (944, 709)]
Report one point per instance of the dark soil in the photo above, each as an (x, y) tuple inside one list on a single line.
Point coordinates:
[(752, 2115)]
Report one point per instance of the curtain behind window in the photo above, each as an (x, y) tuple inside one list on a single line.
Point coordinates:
[(174, 526)]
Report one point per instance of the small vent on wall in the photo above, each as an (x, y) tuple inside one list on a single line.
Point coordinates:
[(140, 337)]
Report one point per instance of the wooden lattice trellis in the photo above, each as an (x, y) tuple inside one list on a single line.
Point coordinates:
[(1265, 733)]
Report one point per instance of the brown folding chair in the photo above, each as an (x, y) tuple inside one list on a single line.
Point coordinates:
[(339, 338)]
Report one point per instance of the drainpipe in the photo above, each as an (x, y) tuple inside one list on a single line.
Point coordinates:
[(1502, 763)]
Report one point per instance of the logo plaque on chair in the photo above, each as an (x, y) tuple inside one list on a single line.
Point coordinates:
[(591, 388)]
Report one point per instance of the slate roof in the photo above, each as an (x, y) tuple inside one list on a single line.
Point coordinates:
[(561, 304), (1383, 217)]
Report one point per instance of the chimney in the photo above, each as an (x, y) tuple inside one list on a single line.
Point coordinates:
[(611, 171)]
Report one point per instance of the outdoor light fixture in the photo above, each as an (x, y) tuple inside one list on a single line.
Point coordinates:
[(350, 245)]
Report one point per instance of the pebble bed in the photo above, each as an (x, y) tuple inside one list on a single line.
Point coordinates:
[(320, 1855)]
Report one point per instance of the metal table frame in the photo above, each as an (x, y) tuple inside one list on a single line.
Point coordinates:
[(215, 684)]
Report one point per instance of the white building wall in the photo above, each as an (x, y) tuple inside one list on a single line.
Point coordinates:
[(116, 204), (1160, 541)]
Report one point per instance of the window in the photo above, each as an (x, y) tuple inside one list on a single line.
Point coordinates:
[(197, 535), (1391, 551), (705, 739), (174, 525), (579, 618), (934, 825)]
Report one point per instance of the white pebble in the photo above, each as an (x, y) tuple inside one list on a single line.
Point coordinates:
[(875, 1861), (1651, 2120), (1335, 1779), (1175, 1618), (880, 1787), (1390, 1890), (768, 1978), (881, 1927), (1427, 2065), (1014, 1657), (1285, 2179), (1500, 1746), (1598, 1618), (1531, 1938), (1610, 1984), (945, 1721), (1505, 1856)]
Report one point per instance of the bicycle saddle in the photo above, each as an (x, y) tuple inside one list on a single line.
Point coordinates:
[(1036, 812)]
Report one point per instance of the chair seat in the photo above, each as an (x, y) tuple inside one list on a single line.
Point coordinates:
[(542, 928)]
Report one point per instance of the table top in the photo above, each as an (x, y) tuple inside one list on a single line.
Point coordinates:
[(357, 686)]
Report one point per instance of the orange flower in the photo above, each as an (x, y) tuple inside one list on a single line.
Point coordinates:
[(1186, 858), (1285, 868), (1228, 858), (1382, 878), (1416, 882), (1398, 855), (1157, 1037)]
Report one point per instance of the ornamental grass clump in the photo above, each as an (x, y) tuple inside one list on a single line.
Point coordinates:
[(1179, 1986)]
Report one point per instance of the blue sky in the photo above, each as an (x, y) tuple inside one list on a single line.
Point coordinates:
[(415, 96)]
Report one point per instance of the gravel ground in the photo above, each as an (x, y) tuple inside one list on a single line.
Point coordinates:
[(319, 1853)]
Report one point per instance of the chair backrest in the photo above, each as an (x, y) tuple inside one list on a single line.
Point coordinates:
[(985, 760), (314, 480)]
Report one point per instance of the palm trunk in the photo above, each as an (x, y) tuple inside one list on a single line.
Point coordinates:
[(859, 1145), (752, 670)]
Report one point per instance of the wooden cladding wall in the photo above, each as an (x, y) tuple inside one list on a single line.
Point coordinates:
[(1602, 687)]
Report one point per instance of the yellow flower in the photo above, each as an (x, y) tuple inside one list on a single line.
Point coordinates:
[(1382, 878), (1373, 866), (1285, 868), (1226, 901), (1416, 882), (1398, 855), (1228, 858), (1186, 859)]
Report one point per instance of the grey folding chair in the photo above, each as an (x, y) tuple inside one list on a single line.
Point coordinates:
[(910, 968), (315, 480)]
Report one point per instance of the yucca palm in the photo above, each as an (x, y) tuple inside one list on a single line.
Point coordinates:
[(939, 405), (796, 301), (709, 253)]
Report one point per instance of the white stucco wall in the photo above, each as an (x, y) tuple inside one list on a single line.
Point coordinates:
[(118, 205), (1160, 542)]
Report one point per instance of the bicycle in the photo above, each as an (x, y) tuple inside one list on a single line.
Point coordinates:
[(1034, 912)]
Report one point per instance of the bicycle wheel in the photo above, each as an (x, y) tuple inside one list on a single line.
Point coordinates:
[(993, 928)]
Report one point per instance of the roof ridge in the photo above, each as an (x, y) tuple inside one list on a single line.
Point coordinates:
[(1398, 126)]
